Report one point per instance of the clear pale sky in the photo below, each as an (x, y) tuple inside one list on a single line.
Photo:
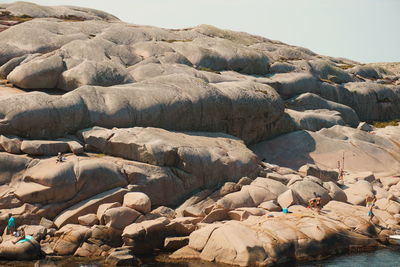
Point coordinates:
[(362, 30)]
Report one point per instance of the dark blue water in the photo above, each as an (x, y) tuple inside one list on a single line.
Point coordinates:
[(378, 258)]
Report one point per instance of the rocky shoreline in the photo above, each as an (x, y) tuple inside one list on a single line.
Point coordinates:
[(119, 140)]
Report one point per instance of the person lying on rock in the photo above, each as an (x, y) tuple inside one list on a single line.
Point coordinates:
[(60, 158), (20, 234), (369, 203), (11, 227), (315, 203)]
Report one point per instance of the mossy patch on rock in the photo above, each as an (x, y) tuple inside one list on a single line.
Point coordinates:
[(383, 124)]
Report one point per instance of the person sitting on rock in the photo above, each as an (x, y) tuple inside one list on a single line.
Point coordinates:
[(11, 227), (20, 234), (315, 203), (369, 203), (60, 158)]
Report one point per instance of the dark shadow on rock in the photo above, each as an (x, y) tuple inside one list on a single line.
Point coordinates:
[(290, 150)]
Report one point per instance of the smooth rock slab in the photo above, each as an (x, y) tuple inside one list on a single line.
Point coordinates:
[(90, 205), (374, 152), (175, 243), (44, 147), (37, 114)]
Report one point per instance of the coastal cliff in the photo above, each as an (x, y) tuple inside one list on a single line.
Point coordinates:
[(118, 140)]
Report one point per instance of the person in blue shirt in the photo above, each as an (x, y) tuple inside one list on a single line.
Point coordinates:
[(11, 227)]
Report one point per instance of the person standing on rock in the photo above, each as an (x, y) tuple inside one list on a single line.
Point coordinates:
[(370, 202), (11, 227), (60, 158)]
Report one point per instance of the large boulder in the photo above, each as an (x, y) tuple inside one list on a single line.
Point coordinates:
[(310, 101), (94, 73), (73, 180), (356, 193), (44, 147), (259, 191), (306, 190), (90, 205), (291, 84), (366, 71), (323, 174), (71, 236), (162, 184), (120, 217), (137, 201), (10, 144), (194, 160), (376, 152), (335, 192), (89, 219), (42, 72), (26, 250), (103, 208), (90, 105), (12, 166), (372, 101), (221, 54), (390, 206), (147, 235), (122, 257), (288, 198), (326, 71), (314, 120)]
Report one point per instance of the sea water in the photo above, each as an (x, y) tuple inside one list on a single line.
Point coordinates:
[(378, 258)]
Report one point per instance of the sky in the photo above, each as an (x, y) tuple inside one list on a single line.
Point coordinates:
[(361, 30)]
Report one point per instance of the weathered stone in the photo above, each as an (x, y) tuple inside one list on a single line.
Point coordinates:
[(103, 208), (306, 190), (267, 107), (37, 231), (71, 238), (138, 201), (120, 217), (326, 147), (310, 101), (88, 250), (288, 198), (144, 237), (123, 257), (42, 72), (335, 192), (270, 205), (175, 243), (164, 212), (88, 219), (46, 223), (363, 126), (89, 206), (44, 147), (11, 144), (193, 212), (215, 215), (323, 174)]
